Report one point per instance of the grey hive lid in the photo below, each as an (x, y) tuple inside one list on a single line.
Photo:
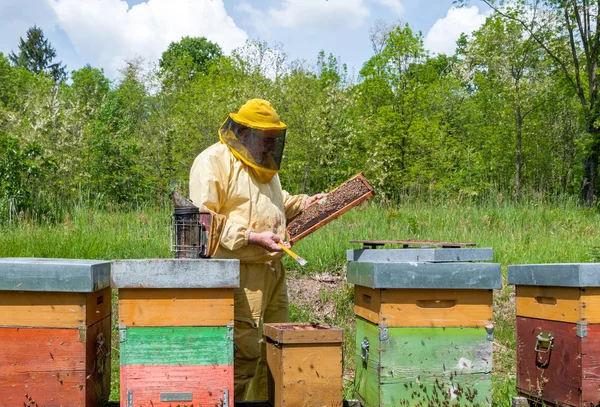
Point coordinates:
[(452, 275), (435, 255), (176, 273), (557, 274), (58, 275)]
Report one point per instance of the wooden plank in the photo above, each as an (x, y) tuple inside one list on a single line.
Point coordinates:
[(554, 376), (98, 305), (436, 308), (48, 389), (42, 309), (367, 303), (175, 307), (366, 378), (177, 346), (98, 358), (175, 273), (303, 333), (462, 390), (424, 307), (441, 364), (310, 374), (549, 303), (590, 305), (31, 350), (207, 385), (590, 364)]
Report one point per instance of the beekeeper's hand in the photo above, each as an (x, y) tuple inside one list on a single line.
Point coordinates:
[(267, 240)]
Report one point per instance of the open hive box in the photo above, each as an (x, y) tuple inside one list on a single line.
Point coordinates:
[(335, 203)]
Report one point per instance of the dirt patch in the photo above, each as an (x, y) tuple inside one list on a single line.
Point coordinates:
[(315, 293), (335, 201)]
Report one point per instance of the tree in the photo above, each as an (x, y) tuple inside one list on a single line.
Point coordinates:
[(568, 32), (36, 55), (189, 56), (504, 55)]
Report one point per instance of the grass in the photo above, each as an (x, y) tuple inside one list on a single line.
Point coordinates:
[(528, 232)]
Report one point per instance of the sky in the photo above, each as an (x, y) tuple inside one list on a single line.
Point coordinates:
[(105, 33)]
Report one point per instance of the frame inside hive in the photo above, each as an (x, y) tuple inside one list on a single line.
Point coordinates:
[(345, 197)]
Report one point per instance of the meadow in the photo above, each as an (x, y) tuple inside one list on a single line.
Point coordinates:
[(528, 232)]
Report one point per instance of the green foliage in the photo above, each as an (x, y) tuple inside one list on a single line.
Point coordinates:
[(23, 170), (188, 57), (499, 116), (36, 55)]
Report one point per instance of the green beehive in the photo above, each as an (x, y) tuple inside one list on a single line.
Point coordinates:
[(423, 326)]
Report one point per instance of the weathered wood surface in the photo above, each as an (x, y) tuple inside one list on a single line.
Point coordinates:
[(177, 346), (176, 273), (55, 366), (53, 309), (303, 333), (560, 274), (590, 305), (433, 255), (305, 374), (460, 275), (550, 303), (63, 275), (186, 385), (556, 376), (175, 307), (48, 389), (415, 365), (424, 307), (590, 363), (566, 304), (98, 362), (40, 350)]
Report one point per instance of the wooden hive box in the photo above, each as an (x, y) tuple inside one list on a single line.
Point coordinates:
[(558, 332), (176, 331), (54, 332), (305, 364), (423, 325)]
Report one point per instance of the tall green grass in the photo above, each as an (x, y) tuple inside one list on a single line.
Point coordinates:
[(528, 232)]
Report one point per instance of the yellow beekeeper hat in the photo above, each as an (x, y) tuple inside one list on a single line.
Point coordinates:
[(258, 114)]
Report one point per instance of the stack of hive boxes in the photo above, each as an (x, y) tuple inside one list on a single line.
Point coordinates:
[(176, 331), (54, 332), (423, 325), (558, 332)]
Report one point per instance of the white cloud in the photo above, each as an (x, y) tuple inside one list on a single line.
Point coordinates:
[(106, 32), (395, 5), (16, 18), (441, 38), (330, 15)]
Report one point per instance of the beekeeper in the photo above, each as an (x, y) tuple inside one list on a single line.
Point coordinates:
[(237, 178)]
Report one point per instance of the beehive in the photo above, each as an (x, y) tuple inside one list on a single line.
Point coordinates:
[(558, 332), (423, 325), (176, 331), (54, 332), (305, 364)]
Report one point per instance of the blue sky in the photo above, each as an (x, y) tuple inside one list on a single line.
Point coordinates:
[(104, 33)]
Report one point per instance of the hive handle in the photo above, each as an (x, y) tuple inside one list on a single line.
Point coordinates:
[(546, 300), (436, 303)]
